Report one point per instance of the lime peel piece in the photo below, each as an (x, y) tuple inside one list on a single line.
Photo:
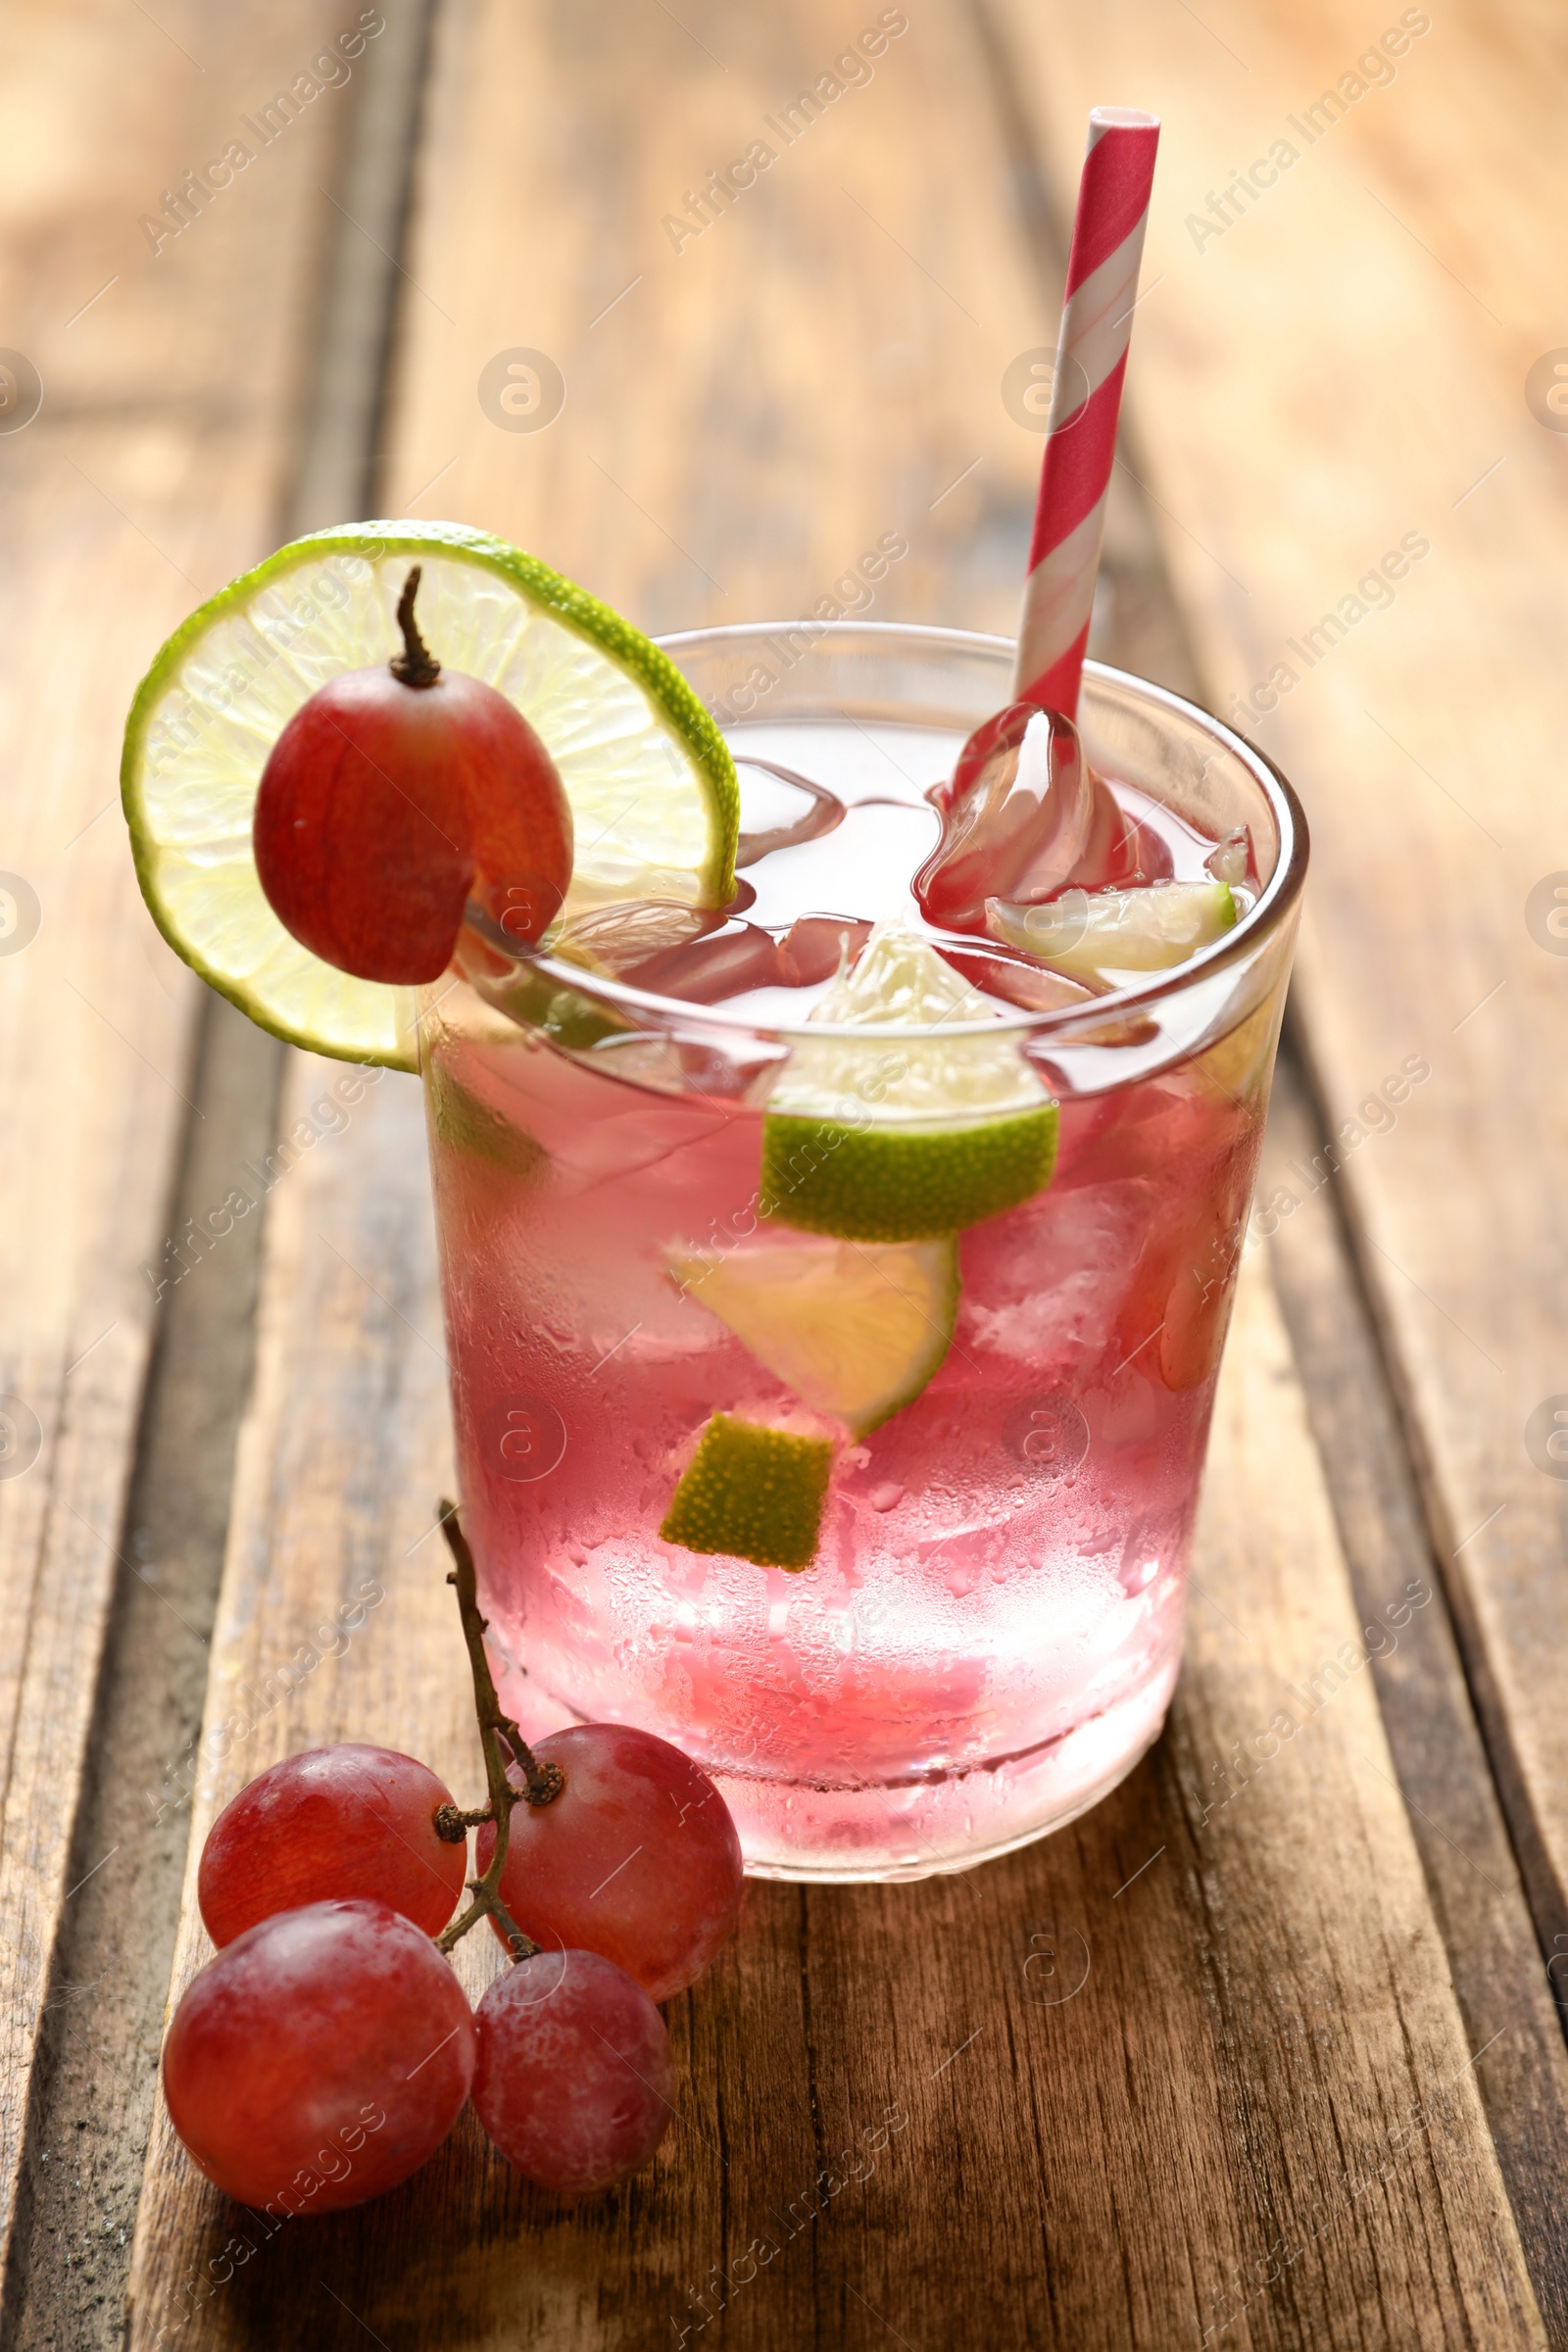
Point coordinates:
[(753, 1493), (1147, 929), (855, 1332), (904, 1131), (902, 1183), (465, 1123)]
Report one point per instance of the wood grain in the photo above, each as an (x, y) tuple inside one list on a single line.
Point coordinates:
[(149, 475), (824, 359), (1346, 365), (102, 2026), (1439, 1755), (1257, 2118)]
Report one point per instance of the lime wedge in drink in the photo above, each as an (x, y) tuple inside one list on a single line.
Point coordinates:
[(752, 1493), (650, 783), (465, 1123), (1238, 1064), (918, 1136), (856, 1329), (1114, 931)]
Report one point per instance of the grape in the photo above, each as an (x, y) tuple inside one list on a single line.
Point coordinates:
[(320, 2059), (389, 797), (333, 1820), (576, 2084), (637, 1858)]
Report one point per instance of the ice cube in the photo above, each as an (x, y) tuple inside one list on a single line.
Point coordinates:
[(726, 962), (771, 819), (1018, 979), (816, 946), (1023, 804), (698, 954), (1054, 1285), (620, 940)]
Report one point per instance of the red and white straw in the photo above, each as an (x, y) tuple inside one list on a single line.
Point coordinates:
[(1107, 244)]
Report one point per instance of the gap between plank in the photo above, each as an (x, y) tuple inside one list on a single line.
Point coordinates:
[(1549, 1900)]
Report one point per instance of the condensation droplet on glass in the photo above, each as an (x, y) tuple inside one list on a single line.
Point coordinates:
[(1140, 1562)]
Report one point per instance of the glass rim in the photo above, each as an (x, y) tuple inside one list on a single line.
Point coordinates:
[(1274, 902)]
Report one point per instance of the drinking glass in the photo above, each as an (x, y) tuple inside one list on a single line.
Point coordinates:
[(989, 1633)]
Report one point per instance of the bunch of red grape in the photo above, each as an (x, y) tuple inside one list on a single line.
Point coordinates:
[(327, 2050)]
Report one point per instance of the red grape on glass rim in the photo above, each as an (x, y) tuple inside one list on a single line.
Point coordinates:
[(389, 797)]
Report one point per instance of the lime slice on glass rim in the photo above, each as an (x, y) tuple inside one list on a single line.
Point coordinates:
[(1105, 932), (856, 1329), (652, 786), (918, 1136)]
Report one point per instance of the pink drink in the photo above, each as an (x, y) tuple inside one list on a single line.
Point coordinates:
[(989, 1635)]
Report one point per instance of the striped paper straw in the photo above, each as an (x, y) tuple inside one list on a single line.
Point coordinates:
[(1107, 244)]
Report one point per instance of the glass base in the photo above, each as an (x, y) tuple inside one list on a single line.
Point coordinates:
[(798, 1830), (842, 1837)]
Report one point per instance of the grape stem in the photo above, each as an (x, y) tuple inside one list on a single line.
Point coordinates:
[(542, 1782), (416, 665)]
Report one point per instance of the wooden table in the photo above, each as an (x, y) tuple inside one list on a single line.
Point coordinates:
[(1264, 2052)]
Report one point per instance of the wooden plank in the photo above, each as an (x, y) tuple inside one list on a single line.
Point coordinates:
[(1257, 2118), (1344, 366), (149, 475), (1440, 1759), (103, 2021)]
